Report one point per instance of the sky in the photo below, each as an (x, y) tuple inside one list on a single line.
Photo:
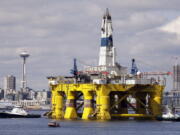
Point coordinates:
[(56, 31)]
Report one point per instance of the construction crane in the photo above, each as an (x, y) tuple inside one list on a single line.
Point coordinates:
[(156, 73), (134, 71)]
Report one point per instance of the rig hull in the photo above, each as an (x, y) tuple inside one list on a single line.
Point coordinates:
[(106, 101)]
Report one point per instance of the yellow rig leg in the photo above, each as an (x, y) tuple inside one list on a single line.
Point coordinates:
[(53, 101), (59, 106), (70, 112), (156, 105), (103, 105), (156, 102), (88, 106)]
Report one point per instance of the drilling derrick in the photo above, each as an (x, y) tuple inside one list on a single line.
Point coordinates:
[(107, 51)]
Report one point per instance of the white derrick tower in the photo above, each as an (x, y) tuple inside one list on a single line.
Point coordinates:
[(107, 51), (107, 54)]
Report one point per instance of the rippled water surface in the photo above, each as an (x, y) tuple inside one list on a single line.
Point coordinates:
[(39, 127)]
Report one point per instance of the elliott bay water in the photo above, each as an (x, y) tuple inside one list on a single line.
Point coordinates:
[(39, 127)]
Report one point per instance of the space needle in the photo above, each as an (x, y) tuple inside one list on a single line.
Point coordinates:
[(24, 55)]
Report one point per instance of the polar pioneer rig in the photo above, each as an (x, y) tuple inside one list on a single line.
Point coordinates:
[(107, 91)]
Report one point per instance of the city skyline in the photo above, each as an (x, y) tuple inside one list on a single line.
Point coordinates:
[(55, 32)]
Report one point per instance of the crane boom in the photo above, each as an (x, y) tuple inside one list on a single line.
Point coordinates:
[(155, 73)]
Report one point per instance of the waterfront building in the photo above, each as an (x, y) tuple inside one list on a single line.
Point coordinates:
[(32, 94), (1, 94), (43, 96)]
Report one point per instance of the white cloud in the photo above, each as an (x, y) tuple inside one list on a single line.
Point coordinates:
[(172, 27)]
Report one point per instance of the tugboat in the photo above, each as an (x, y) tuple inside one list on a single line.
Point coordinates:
[(170, 115), (53, 124), (18, 112)]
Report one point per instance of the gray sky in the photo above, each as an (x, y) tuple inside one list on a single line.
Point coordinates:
[(56, 31)]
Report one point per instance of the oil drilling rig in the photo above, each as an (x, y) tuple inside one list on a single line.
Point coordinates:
[(106, 91)]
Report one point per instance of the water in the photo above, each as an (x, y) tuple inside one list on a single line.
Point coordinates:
[(39, 127)]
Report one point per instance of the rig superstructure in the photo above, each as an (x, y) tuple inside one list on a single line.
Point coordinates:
[(106, 91)]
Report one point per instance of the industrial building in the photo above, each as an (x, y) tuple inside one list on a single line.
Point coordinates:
[(106, 91)]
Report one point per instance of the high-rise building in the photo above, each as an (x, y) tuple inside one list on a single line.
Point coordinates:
[(10, 82), (9, 87), (173, 97), (176, 77)]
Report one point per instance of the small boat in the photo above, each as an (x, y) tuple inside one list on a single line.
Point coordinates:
[(18, 112), (169, 115), (53, 124)]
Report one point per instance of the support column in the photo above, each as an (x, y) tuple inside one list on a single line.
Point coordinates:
[(70, 112), (88, 106), (103, 105), (155, 103), (53, 105), (59, 106)]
